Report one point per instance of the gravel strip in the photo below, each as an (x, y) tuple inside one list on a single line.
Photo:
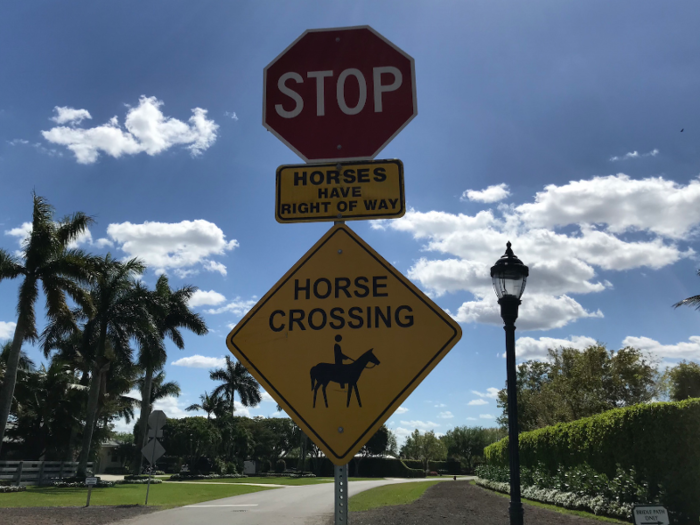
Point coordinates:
[(93, 515), (460, 503)]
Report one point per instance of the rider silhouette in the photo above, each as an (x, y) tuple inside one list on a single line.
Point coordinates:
[(339, 355)]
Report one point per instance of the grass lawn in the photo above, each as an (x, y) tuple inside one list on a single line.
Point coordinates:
[(560, 510), (398, 494), (278, 481), (167, 495)]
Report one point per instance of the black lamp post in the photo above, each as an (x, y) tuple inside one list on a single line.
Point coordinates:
[(509, 276)]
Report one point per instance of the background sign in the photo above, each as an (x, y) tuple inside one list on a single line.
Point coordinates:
[(339, 94), (650, 515), (341, 341), (347, 191)]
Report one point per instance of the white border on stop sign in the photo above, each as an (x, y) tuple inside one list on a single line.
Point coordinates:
[(341, 159)]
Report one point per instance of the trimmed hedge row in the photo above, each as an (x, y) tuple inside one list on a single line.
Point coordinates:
[(389, 468), (659, 441)]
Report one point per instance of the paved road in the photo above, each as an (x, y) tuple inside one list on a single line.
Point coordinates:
[(300, 505)]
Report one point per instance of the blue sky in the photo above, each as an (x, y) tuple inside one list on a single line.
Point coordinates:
[(556, 126)]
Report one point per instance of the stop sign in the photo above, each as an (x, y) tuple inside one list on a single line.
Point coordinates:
[(339, 94)]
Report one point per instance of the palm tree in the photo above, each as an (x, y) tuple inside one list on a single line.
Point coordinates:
[(123, 310), (159, 388), (235, 378), (210, 404), (690, 301), (173, 313), (46, 257)]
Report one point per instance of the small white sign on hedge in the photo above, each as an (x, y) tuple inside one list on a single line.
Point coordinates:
[(650, 515)]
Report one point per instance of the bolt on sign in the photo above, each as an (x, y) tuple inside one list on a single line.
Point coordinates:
[(341, 340), (339, 94), (340, 191)]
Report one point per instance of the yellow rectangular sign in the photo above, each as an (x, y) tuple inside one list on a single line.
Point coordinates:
[(340, 191)]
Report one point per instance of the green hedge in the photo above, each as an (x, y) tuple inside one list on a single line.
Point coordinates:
[(389, 468), (659, 441)]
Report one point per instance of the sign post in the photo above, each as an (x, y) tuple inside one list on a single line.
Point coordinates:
[(90, 482), (153, 449), (342, 317)]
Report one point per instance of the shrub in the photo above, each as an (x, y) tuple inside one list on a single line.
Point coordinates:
[(389, 468), (432, 473), (280, 466), (13, 488), (654, 445), (184, 476)]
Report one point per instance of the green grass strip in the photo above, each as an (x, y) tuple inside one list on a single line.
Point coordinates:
[(165, 494), (560, 510), (396, 494)]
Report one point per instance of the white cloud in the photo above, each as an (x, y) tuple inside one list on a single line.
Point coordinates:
[(200, 361), (491, 393), (420, 425), (213, 266), (104, 243), (401, 410), (177, 246), (172, 408), (478, 402), (266, 398), (231, 114), (21, 232), (486, 416), (635, 155), (7, 330), (66, 115), (530, 348), (491, 194), (241, 410), (655, 204), (83, 238), (446, 415), (402, 433), (689, 350), (440, 405), (202, 298), (471, 419), (538, 312), (238, 307), (145, 129), (16, 142), (565, 235)]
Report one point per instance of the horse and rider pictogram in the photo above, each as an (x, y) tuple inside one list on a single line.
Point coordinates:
[(324, 373)]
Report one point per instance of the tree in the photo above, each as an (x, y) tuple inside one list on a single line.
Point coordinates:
[(467, 444), (210, 404), (579, 383), (682, 381), (46, 258), (123, 310), (424, 447), (377, 445), (235, 378), (170, 315)]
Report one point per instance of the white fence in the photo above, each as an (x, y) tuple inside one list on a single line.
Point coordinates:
[(37, 472)]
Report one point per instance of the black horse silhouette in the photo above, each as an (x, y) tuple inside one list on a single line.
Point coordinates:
[(324, 373)]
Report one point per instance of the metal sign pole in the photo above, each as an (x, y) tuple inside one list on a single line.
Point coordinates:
[(89, 494), (341, 494), (150, 473)]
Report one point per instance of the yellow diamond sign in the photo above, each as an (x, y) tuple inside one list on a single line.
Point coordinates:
[(341, 341)]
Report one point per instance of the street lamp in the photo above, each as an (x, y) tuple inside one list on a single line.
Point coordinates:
[(509, 276)]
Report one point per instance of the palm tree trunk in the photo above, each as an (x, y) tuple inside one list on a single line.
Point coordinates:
[(143, 419), (10, 379), (93, 400)]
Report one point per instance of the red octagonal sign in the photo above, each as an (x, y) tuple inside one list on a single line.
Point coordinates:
[(339, 94)]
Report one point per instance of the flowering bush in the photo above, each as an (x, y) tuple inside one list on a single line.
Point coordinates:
[(184, 476), (14, 488), (140, 481)]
